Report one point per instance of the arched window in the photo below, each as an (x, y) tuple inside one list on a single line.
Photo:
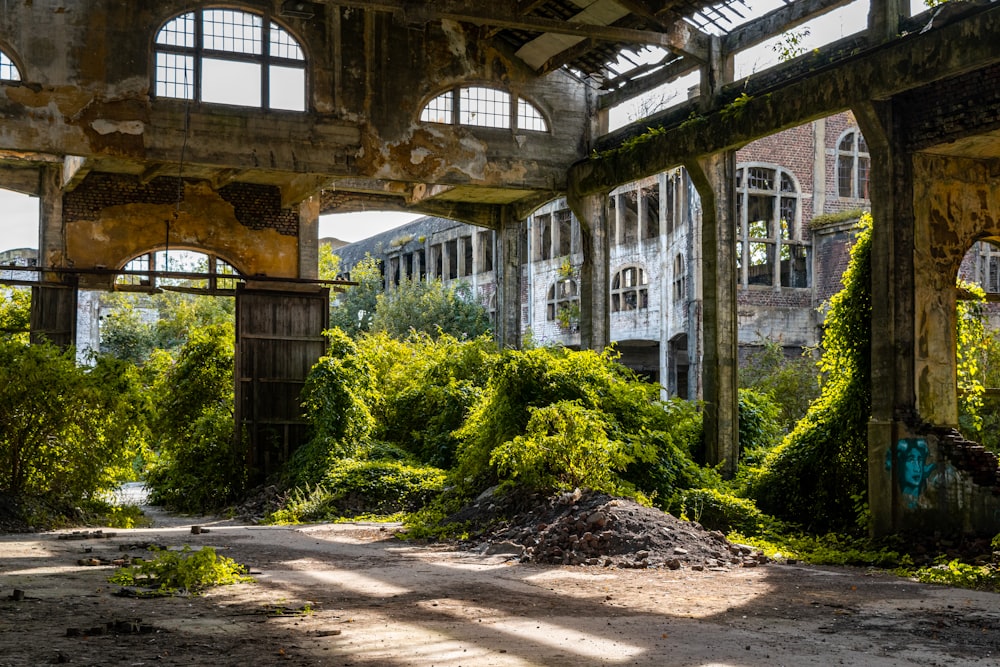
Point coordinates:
[(562, 304), (181, 270), (853, 165), (479, 106), (985, 265), (629, 290), (226, 56), (770, 249), (8, 70)]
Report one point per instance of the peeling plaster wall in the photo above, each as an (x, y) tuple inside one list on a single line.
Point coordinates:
[(955, 203)]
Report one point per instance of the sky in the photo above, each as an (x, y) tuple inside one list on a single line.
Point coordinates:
[(19, 213)]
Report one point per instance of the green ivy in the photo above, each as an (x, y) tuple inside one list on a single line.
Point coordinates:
[(187, 571)]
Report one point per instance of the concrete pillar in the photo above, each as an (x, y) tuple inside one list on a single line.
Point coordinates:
[(508, 277), (714, 177), (884, 17), (309, 238), (51, 229), (595, 279), (892, 351)]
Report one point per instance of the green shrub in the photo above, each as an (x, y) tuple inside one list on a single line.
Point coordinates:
[(431, 308), (197, 467), (719, 511), (188, 571), (354, 487), (67, 433), (759, 425), (819, 471), (790, 384)]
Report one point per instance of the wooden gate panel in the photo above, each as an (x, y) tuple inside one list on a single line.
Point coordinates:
[(53, 315), (279, 337)]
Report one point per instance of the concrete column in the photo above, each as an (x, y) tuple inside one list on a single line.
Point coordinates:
[(892, 350), (508, 277), (714, 177), (51, 228), (309, 238), (884, 17), (595, 280)]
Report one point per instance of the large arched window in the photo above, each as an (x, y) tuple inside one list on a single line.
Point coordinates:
[(180, 270), (226, 56), (629, 290), (770, 249), (562, 304), (484, 107), (853, 165), (8, 70)]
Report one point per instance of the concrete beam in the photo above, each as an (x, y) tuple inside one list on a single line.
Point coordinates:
[(775, 22), (909, 62)]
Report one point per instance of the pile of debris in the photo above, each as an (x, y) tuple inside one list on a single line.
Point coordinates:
[(586, 528)]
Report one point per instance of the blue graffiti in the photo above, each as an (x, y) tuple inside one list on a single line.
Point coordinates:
[(908, 459)]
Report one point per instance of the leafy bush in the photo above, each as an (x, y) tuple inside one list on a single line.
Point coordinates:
[(719, 511), (819, 471), (759, 425), (15, 313), (65, 432), (354, 487), (188, 571), (790, 384), (565, 447), (197, 466), (431, 308), (962, 575)]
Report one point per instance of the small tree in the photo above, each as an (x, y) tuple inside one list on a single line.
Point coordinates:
[(15, 313), (430, 308), (354, 309)]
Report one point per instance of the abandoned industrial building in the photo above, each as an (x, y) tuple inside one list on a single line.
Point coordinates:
[(229, 128)]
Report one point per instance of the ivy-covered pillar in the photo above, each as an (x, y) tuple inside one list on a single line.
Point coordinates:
[(893, 344), (595, 281), (507, 329), (713, 177)]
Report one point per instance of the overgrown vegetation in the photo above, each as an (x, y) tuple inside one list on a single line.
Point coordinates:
[(185, 571)]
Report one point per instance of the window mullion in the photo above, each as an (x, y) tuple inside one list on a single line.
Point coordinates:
[(265, 61), (199, 51)]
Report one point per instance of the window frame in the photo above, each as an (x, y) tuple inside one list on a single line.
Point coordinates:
[(199, 52), (855, 157), (774, 241), (453, 110), (7, 61), (561, 296), (639, 289)]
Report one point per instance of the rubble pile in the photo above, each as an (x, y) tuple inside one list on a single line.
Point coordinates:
[(595, 529)]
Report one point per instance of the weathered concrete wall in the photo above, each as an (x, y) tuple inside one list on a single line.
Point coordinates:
[(956, 202)]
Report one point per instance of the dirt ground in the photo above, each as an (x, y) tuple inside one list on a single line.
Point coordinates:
[(352, 594)]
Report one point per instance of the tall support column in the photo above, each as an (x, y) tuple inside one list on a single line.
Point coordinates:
[(892, 351), (309, 238), (508, 276), (595, 280), (884, 17), (713, 177), (53, 305)]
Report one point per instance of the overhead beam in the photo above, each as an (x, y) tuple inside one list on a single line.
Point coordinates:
[(670, 72), (911, 61), (776, 22), (679, 37), (75, 169)]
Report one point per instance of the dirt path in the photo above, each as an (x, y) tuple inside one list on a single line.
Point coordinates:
[(350, 594)]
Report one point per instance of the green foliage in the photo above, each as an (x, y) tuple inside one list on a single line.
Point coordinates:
[(962, 575), (138, 324), (565, 447), (852, 215), (188, 571), (735, 109), (65, 432), (759, 425), (718, 510), (971, 345), (197, 467), (654, 433), (353, 487), (329, 263), (789, 45), (776, 541), (816, 474), (791, 385), (354, 309), (15, 313), (431, 308)]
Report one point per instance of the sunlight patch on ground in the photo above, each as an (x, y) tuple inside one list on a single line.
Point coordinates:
[(351, 581)]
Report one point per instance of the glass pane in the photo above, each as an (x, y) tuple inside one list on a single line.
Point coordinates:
[(174, 76), (862, 144), (761, 268), (760, 178), (760, 211), (439, 110), (864, 166), (178, 32), (845, 175), (287, 88), (788, 183), (233, 31), (530, 118), (284, 45), (789, 208), (795, 266), (847, 143), (8, 72), (484, 107), (230, 82)]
